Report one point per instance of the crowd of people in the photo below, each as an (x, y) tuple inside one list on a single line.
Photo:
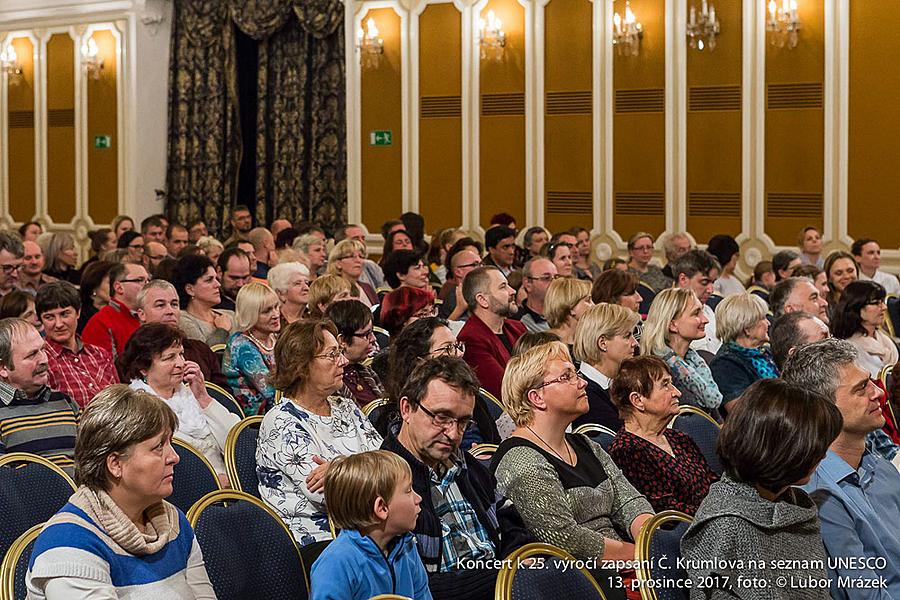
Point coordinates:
[(515, 341)]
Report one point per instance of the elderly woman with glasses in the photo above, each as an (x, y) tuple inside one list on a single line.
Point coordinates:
[(347, 260), (568, 490), (858, 318), (310, 426)]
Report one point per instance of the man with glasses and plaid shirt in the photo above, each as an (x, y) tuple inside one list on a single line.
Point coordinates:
[(111, 327), (11, 254), (464, 524)]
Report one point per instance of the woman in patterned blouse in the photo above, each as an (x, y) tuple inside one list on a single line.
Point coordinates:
[(301, 435), (249, 355), (663, 464)]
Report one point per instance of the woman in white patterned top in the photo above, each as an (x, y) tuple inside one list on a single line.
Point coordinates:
[(300, 436)]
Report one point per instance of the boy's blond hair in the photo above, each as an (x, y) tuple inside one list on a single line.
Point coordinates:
[(355, 481)]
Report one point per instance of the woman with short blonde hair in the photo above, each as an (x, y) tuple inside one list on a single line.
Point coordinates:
[(249, 355), (596, 514), (566, 300), (346, 260), (604, 338), (675, 320), (324, 291)]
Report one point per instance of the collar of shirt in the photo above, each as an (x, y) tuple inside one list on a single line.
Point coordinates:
[(119, 307), (594, 375), (10, 394), (836, 468), (443, 481), (537, 318), (58, 348)]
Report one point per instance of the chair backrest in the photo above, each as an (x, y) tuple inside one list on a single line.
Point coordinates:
[(224, 397), (249, 552), (279, 395), (494, 407), (661, 535), (15, 565), (382, 336), (32, 489), (713, 300), (240, 455), (892, 322), (389, 597), (758, 290), (703, 429), (194, 476), (218, 349), (483, 452), (598, 433), (552, 575), (375, 408), (647, 295)]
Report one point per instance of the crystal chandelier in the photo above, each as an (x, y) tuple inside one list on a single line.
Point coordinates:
[(627, 33), (783, 24), (91, 59), (370, 46), (491, 37), (9, 63), (703, 29)]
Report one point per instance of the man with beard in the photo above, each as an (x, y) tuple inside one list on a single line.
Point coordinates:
[(33, 418), (489, 333)]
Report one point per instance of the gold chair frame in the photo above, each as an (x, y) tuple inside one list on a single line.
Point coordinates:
[(8, 567), (228, 395), (589, 428), (230, 443), (26, 457), (377, 403), (483, 450), (503, 588), (693, 410), (187, 446), (642, 547)]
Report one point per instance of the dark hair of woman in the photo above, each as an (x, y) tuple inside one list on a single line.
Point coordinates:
[(98, 240), (846, 319), (411, 345), (187, 271), (752, 444), (612, 284), (145, 344), (389, 243), (14, 304), (126, 238)]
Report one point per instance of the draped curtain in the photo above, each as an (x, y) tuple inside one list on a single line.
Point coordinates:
[(301, 127)]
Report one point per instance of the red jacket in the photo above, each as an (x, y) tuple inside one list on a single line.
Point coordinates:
[(110, 328), (485, 353)]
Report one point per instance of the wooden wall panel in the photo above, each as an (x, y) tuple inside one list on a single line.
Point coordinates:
[(440, 116), (639, 127), (382, 171), (20, 110), (102, 109), (61, 127), (502, 119), (795, 129), (873, 178), (714, 130), (568, 131)]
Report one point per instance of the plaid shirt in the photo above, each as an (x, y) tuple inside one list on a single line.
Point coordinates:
[(881, 444), (462, 535), (80, 374)]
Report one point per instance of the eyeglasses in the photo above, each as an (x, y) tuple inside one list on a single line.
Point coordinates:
[(473, 265), (136, 247), (365, 334), (445, 421), (140, 280), (568, 376), (545, 278), (451, 349), (7, 269), (333, 355)]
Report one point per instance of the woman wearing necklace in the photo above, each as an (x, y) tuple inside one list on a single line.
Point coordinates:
[(568, 490), (198, 292), (663, 464), (153, 361), (250, 353)]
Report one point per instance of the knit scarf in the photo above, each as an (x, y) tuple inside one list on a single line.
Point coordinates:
[(760, 358), (161, 528)]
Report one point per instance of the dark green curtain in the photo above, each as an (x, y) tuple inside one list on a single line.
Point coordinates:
[(301, 126)]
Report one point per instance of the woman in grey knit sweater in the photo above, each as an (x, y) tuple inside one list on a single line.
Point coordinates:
[(756, 536)]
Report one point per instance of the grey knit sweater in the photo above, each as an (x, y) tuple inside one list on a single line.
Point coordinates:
[(741, 545)]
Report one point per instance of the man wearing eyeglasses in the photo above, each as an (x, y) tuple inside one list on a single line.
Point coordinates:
[(11, 253), (537, 275), (353, 320), (113, 324), (464, 524), (461, 264)]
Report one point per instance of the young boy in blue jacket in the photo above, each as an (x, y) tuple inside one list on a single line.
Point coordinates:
[(371, 500)]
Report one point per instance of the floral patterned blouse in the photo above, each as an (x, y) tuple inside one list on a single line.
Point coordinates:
[(678, 482), (289, 438), (247, 369)]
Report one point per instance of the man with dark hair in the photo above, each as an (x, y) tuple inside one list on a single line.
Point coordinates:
[(867, 253), (697, 270), (490, 333), (153, 229), (77, 369), (500, 243), (792, 330), (463, 518), (353, 320), (177, 239), (241, 223), (33, 418), (534, 239), (233, 269), (11, 252), (798, 294), (857, 492), (113, 324), (196, 230), (390, 226), (405, 267)]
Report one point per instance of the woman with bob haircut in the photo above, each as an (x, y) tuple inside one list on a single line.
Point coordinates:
[(324, 291), (250, 353), (347, 260), (153, 361), (566, 300), (568, 490), (663, 464), (121, 224), (858, 318), (199, 291), (772, 442), (841, 269), (742, 325), (117, 537), (290, 282), (616, 286), (603, 339), (311, 426), (675, 320), (60, 256)]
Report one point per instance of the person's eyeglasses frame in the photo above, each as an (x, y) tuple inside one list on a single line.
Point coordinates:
[(568, 376), (462, 425), (333, 355)]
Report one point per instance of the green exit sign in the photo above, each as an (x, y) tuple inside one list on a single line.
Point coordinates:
[(102, 141), (381, 138)]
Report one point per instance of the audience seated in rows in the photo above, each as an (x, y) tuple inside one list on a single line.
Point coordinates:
[(325, 290), (346, 260), (405, 305), (31, 273), (537, 275), (500, 244), (675, 245), (697, 270), (810, 244), (784, 262), (60, 256), (462, 258), (867, 253), (233, 270), (726, 251), (20, 304), (94, 290), (798, 294), (840, 270), (859, 318), (11, 256), (640, 252)]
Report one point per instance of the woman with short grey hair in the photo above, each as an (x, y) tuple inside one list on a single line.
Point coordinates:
[(60, 256), (290, 281), (117, 536)]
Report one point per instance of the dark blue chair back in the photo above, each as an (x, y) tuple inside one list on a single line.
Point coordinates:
[(551, 576), (893, 313), (225, 398), (15, 565), (598, 433), (667, 541), (647, 295), (194, 476), (703, 430), (240, 455), (713, 300)]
